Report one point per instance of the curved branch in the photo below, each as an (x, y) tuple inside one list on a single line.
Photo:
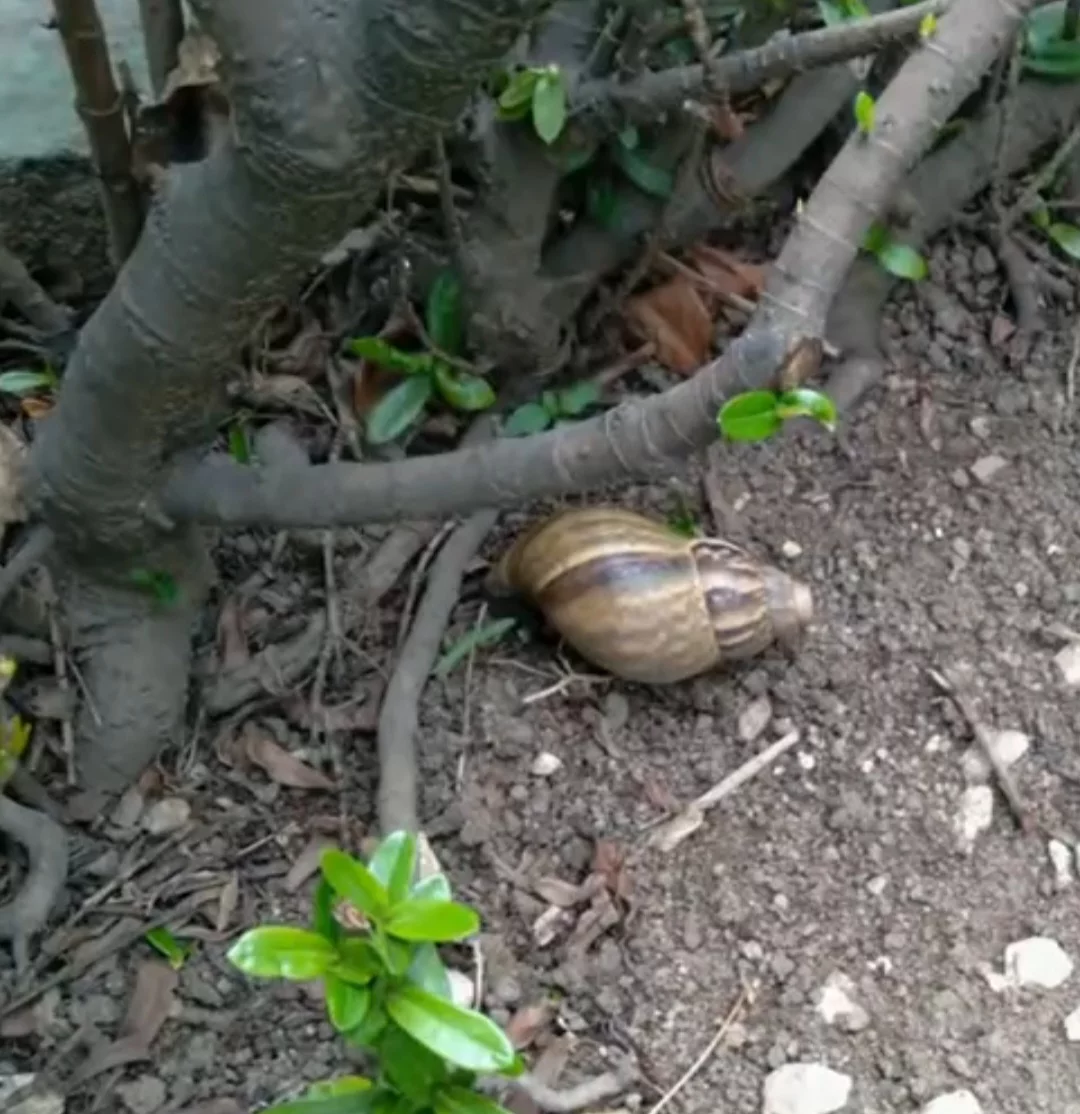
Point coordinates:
[(46, 846), (635, 440)]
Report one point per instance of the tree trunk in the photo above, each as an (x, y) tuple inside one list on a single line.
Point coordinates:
[(328, 99)]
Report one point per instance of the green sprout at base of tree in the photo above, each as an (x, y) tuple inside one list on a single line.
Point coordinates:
[(757, 415), (372, 944), (897, 258), (436, 373)]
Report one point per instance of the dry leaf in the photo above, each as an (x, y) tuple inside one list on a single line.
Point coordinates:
[(565, 894), (1001, 329), (601, 915), (306, 863), (196, 65), (35, 408), (12, 457), (674, 317), (230, 895), (728, 272), (280, 765), (668, 836), (305, 355), (658, 794), (528, 1023), (231, 640), (726, 122), (370, 383), (609, 863), (549, 924)]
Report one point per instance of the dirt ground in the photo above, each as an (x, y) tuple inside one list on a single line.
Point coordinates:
[(841, 858)]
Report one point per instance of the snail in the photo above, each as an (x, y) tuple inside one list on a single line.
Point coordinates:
[(647, 604)]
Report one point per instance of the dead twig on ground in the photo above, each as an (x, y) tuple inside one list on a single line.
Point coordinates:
[(951, 686), (588, 1093), (18, 287), (744, 1001)]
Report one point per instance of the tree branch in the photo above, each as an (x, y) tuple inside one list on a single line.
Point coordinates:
[(163, 29), (605, 106), (641, 439)]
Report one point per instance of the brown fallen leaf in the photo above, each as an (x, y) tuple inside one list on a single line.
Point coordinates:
[(1001, 329), (565, 894), (601, 915), (528, 1023), (305, 355), (35, 408), (197, 58), (279, 764), (306, 863), (272, 391), (675, 318), (609, 862), (231, 640), (727, 272), (230, 896)]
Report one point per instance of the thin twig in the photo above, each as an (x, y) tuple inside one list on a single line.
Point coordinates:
[(744, 1001), (950, 685), (60, 665), (1030, 196)]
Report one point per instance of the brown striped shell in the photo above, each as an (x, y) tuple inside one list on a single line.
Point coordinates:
[(646, 604)]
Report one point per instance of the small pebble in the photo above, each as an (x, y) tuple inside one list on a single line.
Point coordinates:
[(1037, 961), (954, 1102), (987, 467), (143, 1095), (1068, 661), (980, 426), (545, 764), (1061, 860), (791, 549), (1008, 747), (975, 815), (754, 718), (805, 1088), (1072, 1026), (166, 816), (837, 1006)]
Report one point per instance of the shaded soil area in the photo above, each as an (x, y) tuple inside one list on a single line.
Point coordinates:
[(943, 534)]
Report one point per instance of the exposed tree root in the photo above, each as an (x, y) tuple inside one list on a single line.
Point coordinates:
[(135, 654), (29, 555), (588, 1093), (18, 287), (398, 796), (46, 847)]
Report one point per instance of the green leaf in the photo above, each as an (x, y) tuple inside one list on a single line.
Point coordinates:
[(354, 882), (163, 941), (653, 180), (239, 444), (928, 26), (443, 316), (282, 952), (1040, 217), (370, 1029), (877, 236), (409, 1066), (378, 351), (462, 389), (322, 913), (394, 864), (902, 260), (428, 972), (462, 1100), (437, 921), (549, 400), (484, 635), (1066, 236), (358, 1100), (398, 409), (434, 886), (864, 111), (578, 397), (549, 106), (358, 961), (516, 99), (346, 1004), (750, 417), (807, 403), (601, 200), (527, 419), (26, 382), (161, 585), (842, 11), (1046, 52), (343, 1085), (463, 1037), (629, 137)]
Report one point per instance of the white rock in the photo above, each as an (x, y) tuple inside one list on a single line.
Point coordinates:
[(805, 1088), (754, 718), (954, 1102), (1037, 961), (1068, 661), (166, 815), (1072, 1025), (462, 988), (1008, 748), (975, 815), (1061, 859), (545, 764), (791, 549), (980, 426), (837, 1006), (46, 1103), (987, 467)]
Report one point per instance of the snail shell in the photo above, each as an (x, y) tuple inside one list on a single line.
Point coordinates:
[(645, 603)]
